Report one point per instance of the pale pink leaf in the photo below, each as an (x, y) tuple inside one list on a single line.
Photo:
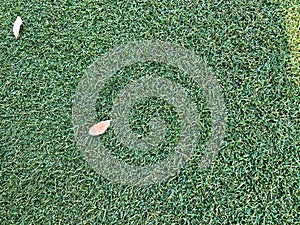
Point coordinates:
[(99, 128), (17, 26)]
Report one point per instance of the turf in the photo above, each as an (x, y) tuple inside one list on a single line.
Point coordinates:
[(247, 46)]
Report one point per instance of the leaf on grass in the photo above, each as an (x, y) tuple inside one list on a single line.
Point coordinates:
[(99, 128), (17, 26)]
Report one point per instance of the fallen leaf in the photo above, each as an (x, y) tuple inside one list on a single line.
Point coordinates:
[(17, 25), (99, 128)]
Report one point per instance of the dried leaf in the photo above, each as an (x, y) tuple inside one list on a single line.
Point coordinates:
[(99, 128), (17, 26)]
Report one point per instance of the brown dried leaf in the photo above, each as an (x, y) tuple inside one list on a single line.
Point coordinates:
[(99, 128), (17, 26)]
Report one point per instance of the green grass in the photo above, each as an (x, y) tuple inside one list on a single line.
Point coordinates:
[(44, 178), (292, 12)]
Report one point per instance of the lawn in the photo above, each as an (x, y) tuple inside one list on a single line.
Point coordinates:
[(250, 47)]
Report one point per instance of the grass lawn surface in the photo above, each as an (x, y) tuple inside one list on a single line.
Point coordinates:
[(249, 46)]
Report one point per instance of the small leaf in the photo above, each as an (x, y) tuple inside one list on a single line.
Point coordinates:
[(99, 128), (17, 25)]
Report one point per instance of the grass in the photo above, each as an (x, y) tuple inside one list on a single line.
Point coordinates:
[(246, 44), (292, 11)]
